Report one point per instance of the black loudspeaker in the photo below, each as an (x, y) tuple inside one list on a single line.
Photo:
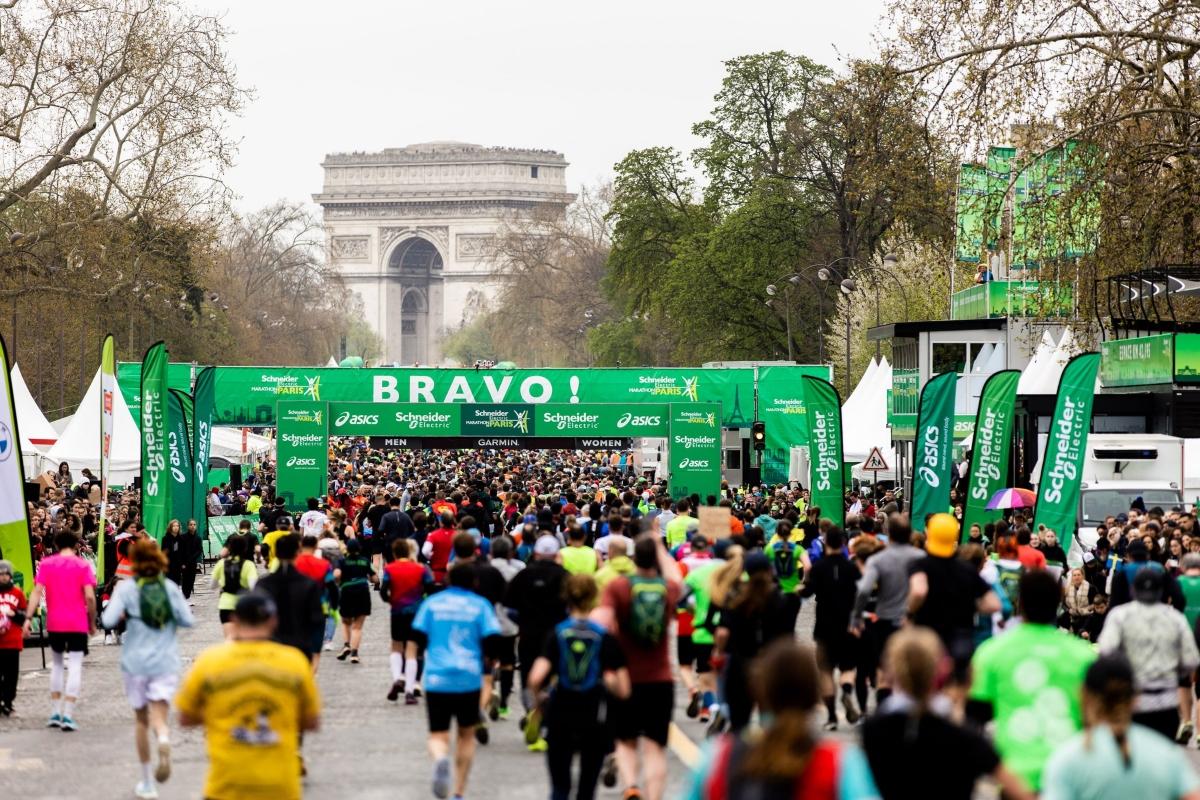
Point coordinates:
[(33, 491), (235, 476), (136, 484)]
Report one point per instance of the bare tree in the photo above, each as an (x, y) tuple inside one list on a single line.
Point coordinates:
[(121, 101)]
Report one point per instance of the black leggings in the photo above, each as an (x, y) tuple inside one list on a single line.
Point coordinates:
[(737, 693), (10, 668), (562, 745)]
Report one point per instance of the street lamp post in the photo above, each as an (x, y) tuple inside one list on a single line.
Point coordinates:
[(772, 291)]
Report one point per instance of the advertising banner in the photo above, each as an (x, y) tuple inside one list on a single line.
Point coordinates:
[(1066, 446), (1143, 361), (932, 454), (612, 420), (827, 468), (1187, 357), (695, 449), (156, 486), (781, 408), (129, 378), (302, 452), (108, 390), (202, 409), (990, 448), (247, 396), (14, 516), (493, 442), (969, 209), (179, 456)]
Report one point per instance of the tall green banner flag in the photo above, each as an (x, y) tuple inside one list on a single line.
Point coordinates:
[(969, 209), (179, 454), (934, 447), (202, 413), (827, 467), (990, 448), (695, 449), (301, 451), (156, 484), (14, 516), (108, 391), (1062, 463)]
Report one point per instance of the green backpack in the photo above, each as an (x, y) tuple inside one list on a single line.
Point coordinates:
[(647, 610), (155, 603)]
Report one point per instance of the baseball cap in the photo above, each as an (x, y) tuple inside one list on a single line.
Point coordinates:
[(546, 546), (941, 536), (1147, 584)]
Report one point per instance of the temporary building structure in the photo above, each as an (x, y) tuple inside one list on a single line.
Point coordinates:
[(227, 444), (1039, 376), (79, 444), (32, 422)]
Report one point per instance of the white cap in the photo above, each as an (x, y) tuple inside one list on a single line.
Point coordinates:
[(546, 546)]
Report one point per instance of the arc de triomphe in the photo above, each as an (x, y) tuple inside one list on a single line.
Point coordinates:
[(409, 229)]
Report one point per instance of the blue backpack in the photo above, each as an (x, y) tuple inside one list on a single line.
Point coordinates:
[(578, 654)]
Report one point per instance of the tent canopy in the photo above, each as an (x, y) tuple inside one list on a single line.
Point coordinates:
[(79, 444), (30, 419)]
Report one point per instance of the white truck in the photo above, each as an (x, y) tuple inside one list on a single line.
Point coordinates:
[(1118, 469)]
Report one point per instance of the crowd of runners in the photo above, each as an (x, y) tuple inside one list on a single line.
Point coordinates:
[(566, 594)]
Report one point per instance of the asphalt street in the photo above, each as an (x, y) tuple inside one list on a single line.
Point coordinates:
[(366, 748)]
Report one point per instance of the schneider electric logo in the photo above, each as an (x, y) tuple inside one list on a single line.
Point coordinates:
[(346, 418), (502, 418), (689, 442), (573, 421), (708, 418), (628, 419), (422, 419), (303, 439), (694, 463), (297, 415), (289, 385), (297, 461), (669, 386)]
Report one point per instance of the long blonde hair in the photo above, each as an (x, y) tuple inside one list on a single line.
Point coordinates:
[(727, 576)]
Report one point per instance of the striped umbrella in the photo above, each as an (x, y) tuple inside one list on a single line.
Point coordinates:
[(1013, 498)]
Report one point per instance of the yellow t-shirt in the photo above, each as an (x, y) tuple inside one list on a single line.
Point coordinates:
[(253, 504), (252, 697), (269, 542)]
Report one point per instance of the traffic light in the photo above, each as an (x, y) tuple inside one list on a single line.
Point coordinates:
[(758, 434)]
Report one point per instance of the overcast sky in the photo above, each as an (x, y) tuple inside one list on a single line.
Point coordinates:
[(592, 81)]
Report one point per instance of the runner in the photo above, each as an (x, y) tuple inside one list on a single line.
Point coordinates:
[(589, 667), (833, 581), (405, 583), (454, 626), (506, 652), (704, 626), (1115, 758), (254, 698), (1029, 679), (233, 575), (153, 608), (314, 567), (313, 521), (13, 607), (638, 609), (354, 575), (69, 586), (296, 599), (577, 558)]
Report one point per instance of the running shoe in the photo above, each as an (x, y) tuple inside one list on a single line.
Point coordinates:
[(328, 646), (830, 725), (410, 699), (163, 771), (633, 793), (493, 708), (342, 656), (533, 726), (6, 709), (55, 721), (145, 791), (538, 746), (608, 773), (717, 726), (417, 690), (850, 706), (1184, 734), (481, 733), (441, 778), (704, 716), (68, 724), (396, 690), (354, 657), (502, 712), (693, 709)]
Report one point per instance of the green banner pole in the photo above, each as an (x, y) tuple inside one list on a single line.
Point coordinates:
[(990, 448), (934, 447), (179, 455), (827, 466), (1066, 446), (202, 411), (156, 487)]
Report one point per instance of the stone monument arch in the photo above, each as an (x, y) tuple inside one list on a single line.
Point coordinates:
[(409, 230)]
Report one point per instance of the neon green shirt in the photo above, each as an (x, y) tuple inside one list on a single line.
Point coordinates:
[(578, 560), (1032, 676), (1190, 584), (253, 504), (677, 530), (785, 561), (697, 580)]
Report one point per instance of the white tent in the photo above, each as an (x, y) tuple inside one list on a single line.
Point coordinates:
[(227, 443), (30, 419), (867, 381), (332, 362), (79, 444), (864, 423), (985, 355), (1038, 376)]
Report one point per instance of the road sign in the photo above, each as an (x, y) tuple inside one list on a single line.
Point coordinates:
[(875, 462)]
